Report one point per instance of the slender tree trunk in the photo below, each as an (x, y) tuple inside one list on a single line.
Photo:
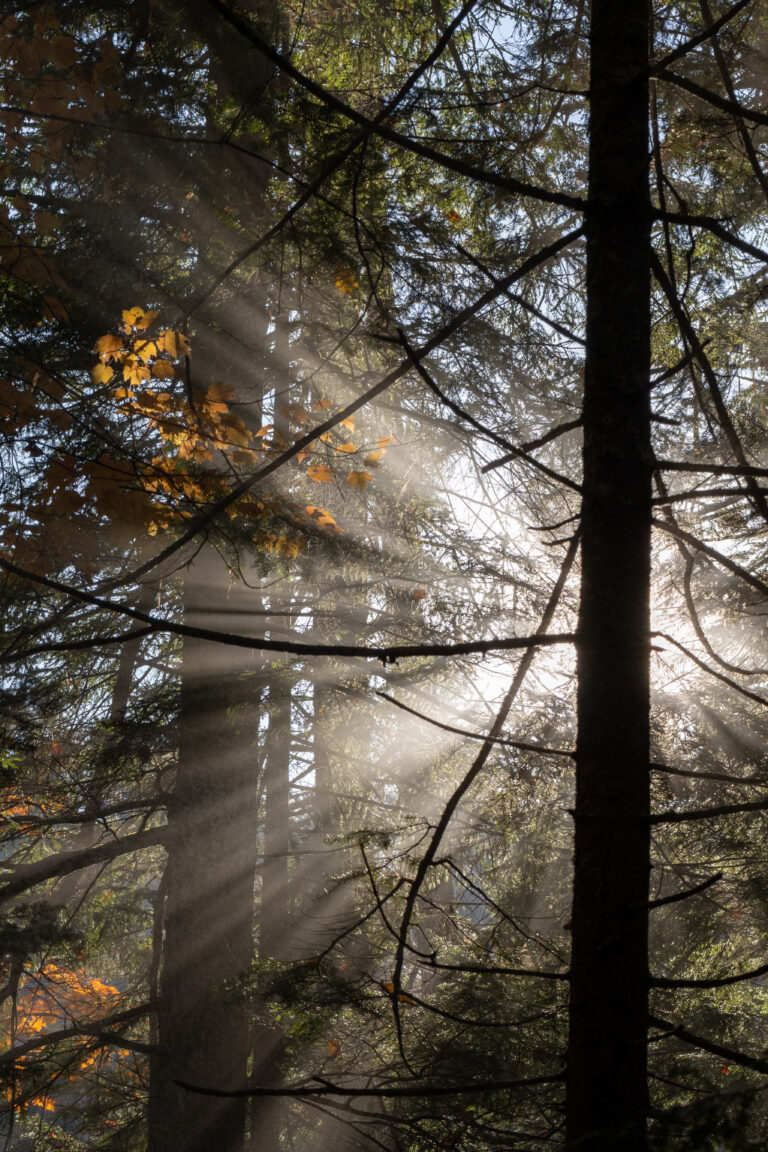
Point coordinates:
[(606, 1078), (268, 1039), (274, 917)]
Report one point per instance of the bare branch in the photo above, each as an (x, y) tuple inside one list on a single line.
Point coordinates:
[(711, 469), (325, 1088), (386, 653), (721, 102), (710, 493), (703, 775), (715, 982), (514, 453), (707, 550), (709, 813), (520, 744), (729, 1054), (553, 433), (496, 970), (676, 896), (712, 671)]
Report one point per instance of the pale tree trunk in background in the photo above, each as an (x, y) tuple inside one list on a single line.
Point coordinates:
[(275, 927), (606, 1078), (274, 920), (274, 914)]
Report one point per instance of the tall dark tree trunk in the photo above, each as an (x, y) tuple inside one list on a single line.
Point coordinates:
[(203, 1028), (607, 1094)]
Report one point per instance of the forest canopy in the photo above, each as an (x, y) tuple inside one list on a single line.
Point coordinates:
[(383, 418)]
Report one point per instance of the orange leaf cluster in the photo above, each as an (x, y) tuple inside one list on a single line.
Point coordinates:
[(344, 278)]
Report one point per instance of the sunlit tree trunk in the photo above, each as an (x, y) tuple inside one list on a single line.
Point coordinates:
[(267, 1041), (203, 1028), (274, 919), (606, 1103), (203, 1023)]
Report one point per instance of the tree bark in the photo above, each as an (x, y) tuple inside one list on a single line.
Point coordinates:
[(203, 1027), (606, 1075)]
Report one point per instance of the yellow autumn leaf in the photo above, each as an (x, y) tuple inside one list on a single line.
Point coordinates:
[(236, 432), (147, 400), (359, 480), (324, 518), (385, 441), (348, 423), (146, 319), (163, 369), (348, 447), (147, 349), (134, 371), (345, 278), (108, 347), (43, 1102), (403, 997), (131, 317), (372, 459), (321, 473), (327, 521), (102, 988), (101, 374), (174, 343)]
